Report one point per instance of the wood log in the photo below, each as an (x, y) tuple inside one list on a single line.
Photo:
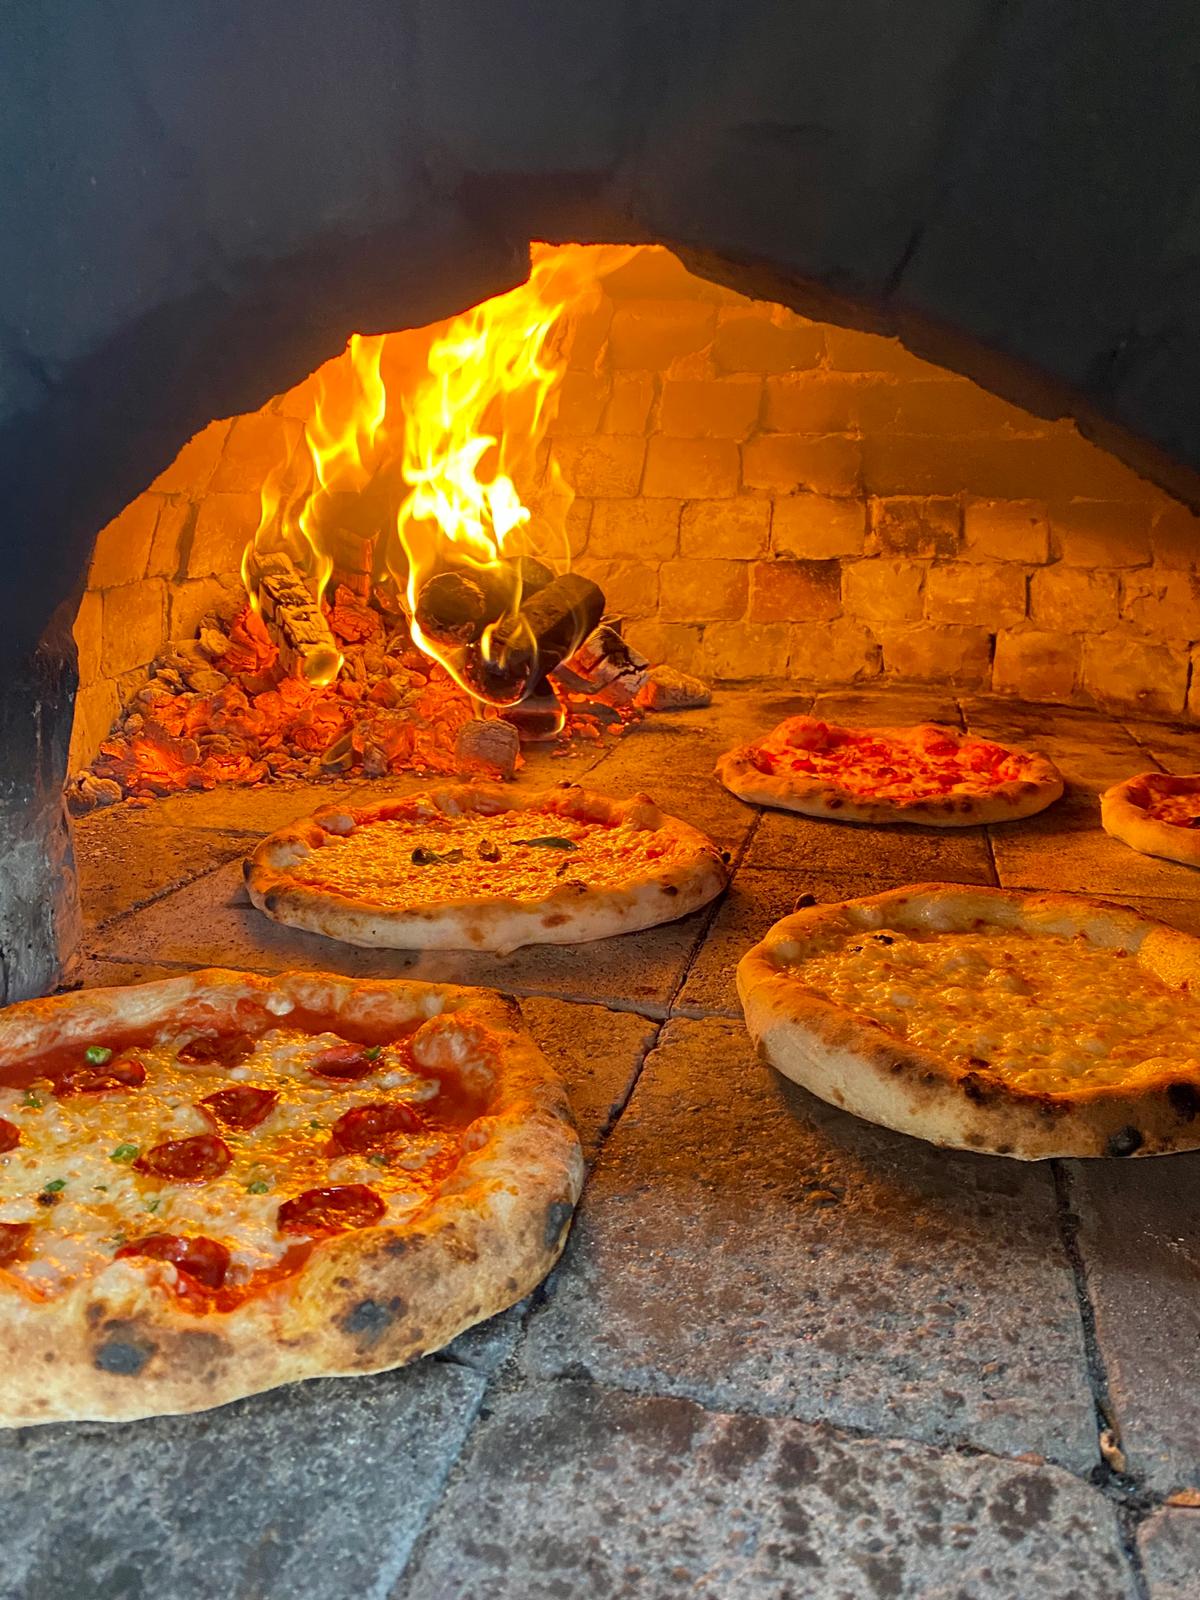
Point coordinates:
[(493, 742), (522, 650), (605, 665), (296, 623), (456, 605)]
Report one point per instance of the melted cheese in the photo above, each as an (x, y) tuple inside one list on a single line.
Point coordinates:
[(1046, 1014), (374, 862), (86, 1143), (866, 763)]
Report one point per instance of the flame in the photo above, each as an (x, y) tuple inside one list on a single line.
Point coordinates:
[(446, 470)]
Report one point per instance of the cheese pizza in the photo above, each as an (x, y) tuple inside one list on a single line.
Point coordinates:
[(1157, 814), (480, 867), (219, 1183), (1027, 1025), (928, 774)]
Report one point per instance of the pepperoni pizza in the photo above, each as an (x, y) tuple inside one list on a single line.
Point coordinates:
[(928, 774), (1157, 814), (219, 1183)]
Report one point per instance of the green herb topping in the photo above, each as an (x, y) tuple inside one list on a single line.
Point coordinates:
[(55, 1186), (257, 1187), (374, 1053), (379, 1159), (422, 856), (551, 841), (97, 1055), (31, 1099), (124, 1152)]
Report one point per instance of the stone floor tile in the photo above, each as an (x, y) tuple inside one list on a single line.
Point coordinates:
[(1140, 1238), (755, 901), (1089, 748), (1169, 1543), (211, 923), (888, 708), (597, 1053), (747, 1246), (125, 861), (317, 1490), (1068, 849), (570, 1490), (901, 853), (1174, 746)]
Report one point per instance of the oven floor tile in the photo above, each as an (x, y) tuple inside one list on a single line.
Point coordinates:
[(574, 1490), (900, 853), (744, 1245), (1169, 1543)]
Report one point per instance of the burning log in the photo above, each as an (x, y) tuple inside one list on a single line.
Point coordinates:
[(294, 620), (604, 666), (494, 743), (522, 650), (456, 606)]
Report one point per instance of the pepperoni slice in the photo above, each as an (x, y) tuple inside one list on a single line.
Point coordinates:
[(321, 1211), (10, 1135), (243, 1106), (345, 1062), (125, 1072), (370, 1126), (12, 1237), (186, 1160), (204, 1260), (225, 1049)]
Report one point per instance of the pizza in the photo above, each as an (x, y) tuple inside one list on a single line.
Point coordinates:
[(219, 1183), (1156, 814), (479, 867), (1027, 1025), (928, 774)]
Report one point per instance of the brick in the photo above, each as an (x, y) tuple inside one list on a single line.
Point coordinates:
[(651, 334), (582, 397), (795, 591), (1128, 673), (603, 464), (655, 273), (195, 464), (1036, 666), (1073, 599), (833, 652), (853, 351), (628, 409), (1193, 699), (122, 549), (1006, 530), (673, 642), (916, 527), (588, 335), (748, 342), (96, 710), (703, 591), (577, 525), (811, 402), (883, 590), (816, 526), (957, 410), (134, 618), (257, 443), (300, 401), (742, 650), (976, 593), (187, 602), (738, 529), (1166, 604), (692, 469), (939, 653), (225, 524), (89, 633), (172, 530), (1175, 538), (634, 530), (993, 467), (631, 588), (1088, 533), (783, 462), (710, 408)]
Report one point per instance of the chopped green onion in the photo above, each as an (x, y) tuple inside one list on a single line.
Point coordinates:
[(55, 1185), (315, 1124), (257, 1187), (97, 1055), (374, 1053), (103, 1187), (153, 1205), (118, 1239), (379, 1159), (124, 1152), (31, 1099)]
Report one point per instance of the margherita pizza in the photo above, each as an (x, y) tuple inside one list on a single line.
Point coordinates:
[(1027, 1025), (219, 1183), (1156, 814), (928, 774), (479, 867)]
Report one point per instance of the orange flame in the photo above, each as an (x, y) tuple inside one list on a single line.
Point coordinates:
[(464, 490)]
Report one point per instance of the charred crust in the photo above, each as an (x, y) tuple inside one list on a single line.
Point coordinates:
[(1184, 1100), (670, 888), (558, 1215), (369, 1320), (124, 1351), (1126, 1141), (975, 1088)]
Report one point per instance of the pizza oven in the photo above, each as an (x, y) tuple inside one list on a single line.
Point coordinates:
[(423, 390)]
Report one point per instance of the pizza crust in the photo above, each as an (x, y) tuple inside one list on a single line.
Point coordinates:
[(118, 1346), (817, 796), (567, 915), (1124, 814), (852, 1062)]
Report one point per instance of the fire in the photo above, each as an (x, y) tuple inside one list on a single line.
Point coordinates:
[(442, 478)]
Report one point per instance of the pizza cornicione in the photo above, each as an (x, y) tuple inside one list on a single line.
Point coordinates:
[(928, 774), (1027, 1025), (479, 867), (218, 1183), (1157, 814)]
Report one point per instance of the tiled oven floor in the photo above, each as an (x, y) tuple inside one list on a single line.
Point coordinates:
[(786, 1354)]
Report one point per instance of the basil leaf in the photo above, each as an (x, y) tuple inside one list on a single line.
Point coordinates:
[(422, 856), (97, 1055), (551, 841)]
